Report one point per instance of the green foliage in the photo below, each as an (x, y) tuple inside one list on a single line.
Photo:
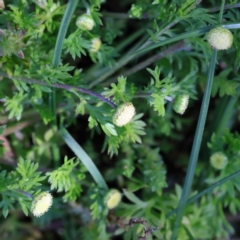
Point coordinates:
[(223, 86), (145, 159), (29, 176), (118, 91), (76, 45), (105, 56), (22, 19), (18, 185), (50, 74), (128, 133), (11, 42), (160, 89), (153, 170), (65, 179), (13, 105)]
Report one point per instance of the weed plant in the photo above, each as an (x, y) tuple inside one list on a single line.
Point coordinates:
[(119, 119)]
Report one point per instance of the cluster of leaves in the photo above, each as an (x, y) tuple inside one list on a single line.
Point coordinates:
[(24, 180), (65, 179)]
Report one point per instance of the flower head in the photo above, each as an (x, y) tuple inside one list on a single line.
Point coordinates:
[(85, 22), (112, 199), (219, 160), (96, 44), (181, 103), (124, 114), (220, 38), (41, 204)]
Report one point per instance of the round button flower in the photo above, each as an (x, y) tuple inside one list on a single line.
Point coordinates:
[(124, 114), (41, 204), (96, 44), (219, 160), (220, 38), (85, 22), (112, 199), (181, 103)]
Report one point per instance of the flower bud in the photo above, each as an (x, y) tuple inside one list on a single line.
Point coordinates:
[(112, 199), (85, 22), (219, 160), (96, 44), (181, 103), (41, 204), (220, 38), (124, 114)]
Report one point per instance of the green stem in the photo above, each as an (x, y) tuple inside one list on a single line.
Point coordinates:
[(195, 148), (221, 12), (84, 158), (58, 48)]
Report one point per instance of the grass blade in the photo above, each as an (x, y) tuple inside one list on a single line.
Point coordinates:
[(196, 147), (58, 49), (84, 158)]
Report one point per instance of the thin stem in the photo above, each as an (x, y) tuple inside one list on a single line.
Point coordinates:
[(26, 194), (196, 147), (61, 86)]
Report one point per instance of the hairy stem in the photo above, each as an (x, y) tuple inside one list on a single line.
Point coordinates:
[(61, 86), (26, 194)]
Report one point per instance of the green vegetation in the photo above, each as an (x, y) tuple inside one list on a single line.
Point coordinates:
[(119, 119)]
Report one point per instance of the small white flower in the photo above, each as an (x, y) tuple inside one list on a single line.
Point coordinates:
[(124, 114), (41, 204), (85, 22), (96, 44), (220, 38), (112, 199)]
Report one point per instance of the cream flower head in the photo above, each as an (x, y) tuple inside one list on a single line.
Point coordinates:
[(112, 198), (181, 103), (220, 38), (219, 160), (85, 22), (124, 114), (41, 204), (96, 44)]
